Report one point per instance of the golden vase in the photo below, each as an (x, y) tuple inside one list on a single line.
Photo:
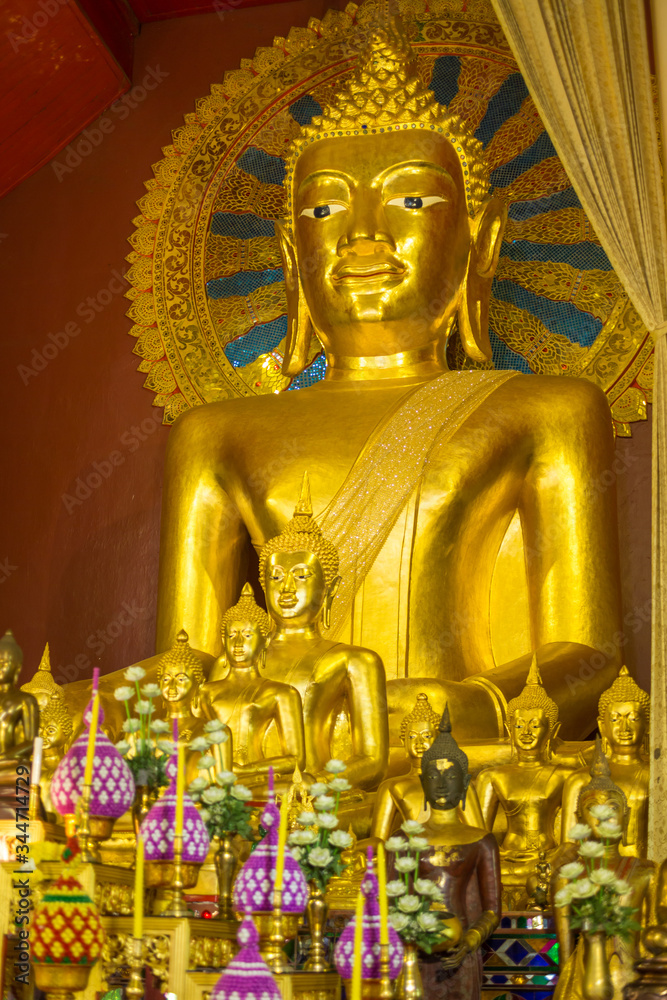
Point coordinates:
[(597, 984), (225, 868), (61, 982), (409, 984), (145, 798), (316, 915)]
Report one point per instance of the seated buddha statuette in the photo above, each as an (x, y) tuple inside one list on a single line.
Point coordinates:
[(341, 686), (19, 722), (263, 714), (529, 790), (464, 864), (390, 243), (624, 712), (401, 798), (55, 725), (637, 876)]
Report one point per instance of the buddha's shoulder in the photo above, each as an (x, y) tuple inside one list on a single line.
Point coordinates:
[(576, 395)]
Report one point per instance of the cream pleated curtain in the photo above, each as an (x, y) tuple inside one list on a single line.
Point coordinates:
[(586, 66)]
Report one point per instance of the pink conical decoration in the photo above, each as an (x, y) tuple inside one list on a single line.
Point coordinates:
[(247, 977), (158, 827), (253, 889), (113, 785), (370, 947)]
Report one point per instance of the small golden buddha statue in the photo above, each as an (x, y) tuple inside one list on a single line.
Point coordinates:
[(529, 790), (19, 710), (442, 491), (252, 704), (463, 863), (624, 713), (55, 723), (342, 687), (401, 798), (639, 875)]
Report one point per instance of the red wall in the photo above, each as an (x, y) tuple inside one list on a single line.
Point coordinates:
[(70, 570)]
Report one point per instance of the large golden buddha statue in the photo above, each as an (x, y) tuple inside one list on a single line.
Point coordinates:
[(252, 704), (342, 687), (445, 493), (624, 712)]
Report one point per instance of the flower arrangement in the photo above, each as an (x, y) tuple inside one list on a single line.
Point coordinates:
[(318, 844), (411, 897), (593, 891), (145, 749), (225, 807)]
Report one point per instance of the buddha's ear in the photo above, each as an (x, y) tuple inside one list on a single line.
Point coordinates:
[(466, 785), (299, 327), (486, 234), (332, 590)]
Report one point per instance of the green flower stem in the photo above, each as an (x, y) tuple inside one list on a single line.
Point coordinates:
[(141, 718)]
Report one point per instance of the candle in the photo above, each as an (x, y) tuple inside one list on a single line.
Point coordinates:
[(271, 782), (180, 791), (96, 679), (138, 929), (36, 772), (92, 734), (282, 840), (358, 942), (384, 907), (174, 729)]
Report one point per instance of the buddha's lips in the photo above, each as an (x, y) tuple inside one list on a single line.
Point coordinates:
[(359, 271), (287, 601)]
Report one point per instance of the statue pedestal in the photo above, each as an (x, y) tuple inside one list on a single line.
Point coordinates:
[(521, 955)]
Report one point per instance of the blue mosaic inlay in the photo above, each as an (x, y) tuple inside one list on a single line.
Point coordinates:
[(266, 168), (242, 283), (259, 340), (522, 210), (542, 149), (304, 110), (445, 79), (503, 105), (245, 226), (583, 256), (558, 317)]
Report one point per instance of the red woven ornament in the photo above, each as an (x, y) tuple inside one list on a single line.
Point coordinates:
[(66, 929)]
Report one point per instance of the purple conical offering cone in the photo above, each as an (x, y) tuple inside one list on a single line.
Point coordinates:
[(254, 886), (159, 825), (247, 977), (370, 946)]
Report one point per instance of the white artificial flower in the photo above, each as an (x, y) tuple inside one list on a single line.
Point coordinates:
[(428, 922), (218, 736), (320, 857), (167, 747), (339, 838), (198, 785), (335, 766), (591, 849), (564, 896), (240, 792), (399, 921), (318, 788), (427, 888), (571, 871), (324, 802), (326, 821), (297, 853), (418, 844), (405, 865), (579, 832), (199, 744), (205, 814), (396, 888), (409, 904), (412, 827), (583, 888), (620, 886), (306, 818), (601, 811), (143, 707), (206, 761), (123, 693), (213, 794), (214, 726), (609, 830), (339, 785), (226, 778), (395, 844), (301, 838), (151, 691), (123, 747), (131, 726), (159, 726), (603, 876), (134, 674)]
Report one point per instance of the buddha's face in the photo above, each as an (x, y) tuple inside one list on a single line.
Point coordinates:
[(418, 738), (295, 587), (382, 239), (604, 798), (623, 725), (243, 642), (530, 729), (53, 734), (9, 667), (444, 783), (176, 683)]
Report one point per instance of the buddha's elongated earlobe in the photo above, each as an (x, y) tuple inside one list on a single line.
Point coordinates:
[(328, 601), (299, 326), (486, 232), (466, 785)]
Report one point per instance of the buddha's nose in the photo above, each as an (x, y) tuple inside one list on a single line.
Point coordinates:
[(367, 231), (289, 586)]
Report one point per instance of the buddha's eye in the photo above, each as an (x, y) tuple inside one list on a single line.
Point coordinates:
[(415, 201), (322, 211)]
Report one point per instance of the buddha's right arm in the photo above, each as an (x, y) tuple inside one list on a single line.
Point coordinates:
[(488, 799), (573, 786), (204, 543), (383, 813)]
